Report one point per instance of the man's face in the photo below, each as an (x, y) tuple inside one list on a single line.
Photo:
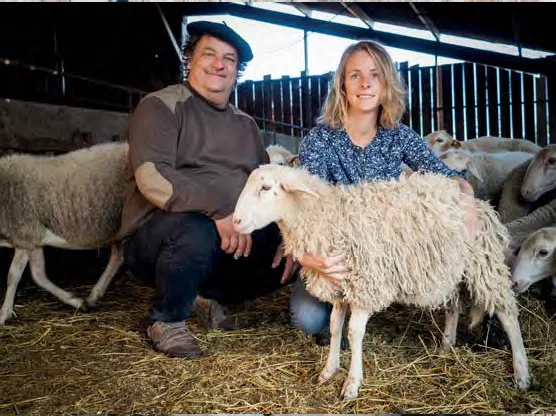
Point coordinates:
[(213, 68)]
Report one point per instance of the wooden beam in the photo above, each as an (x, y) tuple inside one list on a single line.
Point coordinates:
[(427, 22), (358, 13)]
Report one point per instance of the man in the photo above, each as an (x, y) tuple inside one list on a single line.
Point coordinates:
[(191, 153)]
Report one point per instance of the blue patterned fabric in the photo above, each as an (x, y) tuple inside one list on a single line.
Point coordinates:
[(331, 155)]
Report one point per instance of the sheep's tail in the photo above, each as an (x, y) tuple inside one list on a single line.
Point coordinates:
[(487, 276)]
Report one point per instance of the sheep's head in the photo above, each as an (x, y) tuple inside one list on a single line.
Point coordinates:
[(535, 260), (269, 195), (541, 174), (441, 141), (460, 161)]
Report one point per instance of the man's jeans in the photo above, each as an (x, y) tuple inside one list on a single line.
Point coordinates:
[(180, 253)]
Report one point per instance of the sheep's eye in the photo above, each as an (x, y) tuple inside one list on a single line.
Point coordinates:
[(551, 161), (440, 140), (543, 253), (265, 188)]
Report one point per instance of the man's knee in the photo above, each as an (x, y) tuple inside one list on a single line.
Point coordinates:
[(308, 313)]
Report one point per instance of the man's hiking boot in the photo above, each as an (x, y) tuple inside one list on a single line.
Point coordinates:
[(173, 339), (212, 315)]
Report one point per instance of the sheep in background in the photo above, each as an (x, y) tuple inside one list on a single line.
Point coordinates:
[(441, 141), (529, 186), (69, 201), (541, 174), (278, 155), (411, 246), (486, 171), (536, 259)]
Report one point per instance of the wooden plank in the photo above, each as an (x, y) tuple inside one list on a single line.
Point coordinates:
[(249, 94), (481, 100), (305, 101), (315, 99), (493, 105), (415, 110), (287, 104), (267, 104), (403, 71), (542, 121), (529, 106), (517, 118), (471, 120), (259, 99), (277, 105), (426, 106), (551, 87), (458, 102), (505, 117), (325, 80), (447, 98), (296, 106)]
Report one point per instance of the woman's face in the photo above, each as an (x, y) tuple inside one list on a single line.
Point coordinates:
[(363, 83)]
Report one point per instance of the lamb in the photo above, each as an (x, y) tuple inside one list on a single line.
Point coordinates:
[(418, 220), (70, 201), (278, 155), (441, 141), (536, 259), (486, 171)]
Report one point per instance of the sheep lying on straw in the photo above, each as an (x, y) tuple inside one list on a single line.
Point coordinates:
[(405, 241), (70, 201)]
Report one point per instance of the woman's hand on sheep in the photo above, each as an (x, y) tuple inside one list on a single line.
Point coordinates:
[(233, 242), (332, 267), (289, 268)]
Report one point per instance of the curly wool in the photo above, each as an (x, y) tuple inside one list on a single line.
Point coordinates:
[(78, 196), (405, 241)]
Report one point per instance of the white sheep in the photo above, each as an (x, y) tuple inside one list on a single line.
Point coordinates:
[(486, 171), (441, 141), (536, 259), (69, 201), (279, 155), (541, 174), (405, 241), (520, 228)]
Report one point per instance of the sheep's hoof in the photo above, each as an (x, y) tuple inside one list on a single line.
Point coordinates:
[(350, 389), (78, 303), (90, 302), (447, 344), (524, 383), (326, 374), (4, 316)]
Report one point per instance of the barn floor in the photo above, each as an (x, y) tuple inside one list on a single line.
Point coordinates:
[(53, 360)]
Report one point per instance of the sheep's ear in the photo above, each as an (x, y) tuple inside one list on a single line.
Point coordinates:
[(471, 167), (292, 186), (456, 144)]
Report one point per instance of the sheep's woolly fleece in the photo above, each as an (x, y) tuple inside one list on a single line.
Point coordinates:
[(405, 241), (78, 195)]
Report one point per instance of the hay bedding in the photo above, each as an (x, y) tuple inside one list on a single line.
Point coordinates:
[(56, 361)]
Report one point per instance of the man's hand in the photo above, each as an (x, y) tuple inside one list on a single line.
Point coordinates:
[(332, 268), (232, 242), (289, 268)]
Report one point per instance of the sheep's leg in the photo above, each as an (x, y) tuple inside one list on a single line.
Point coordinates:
[(39, 276), (114, 263), (19, 262), (357, 325), (521, 368), (337, 318), (451, 324)]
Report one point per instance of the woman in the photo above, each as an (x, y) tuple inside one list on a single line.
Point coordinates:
[(360, 138)]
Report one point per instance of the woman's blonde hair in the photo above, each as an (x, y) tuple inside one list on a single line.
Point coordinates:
[(392, 98)]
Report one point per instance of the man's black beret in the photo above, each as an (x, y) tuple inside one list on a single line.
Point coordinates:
[(224, 33)]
